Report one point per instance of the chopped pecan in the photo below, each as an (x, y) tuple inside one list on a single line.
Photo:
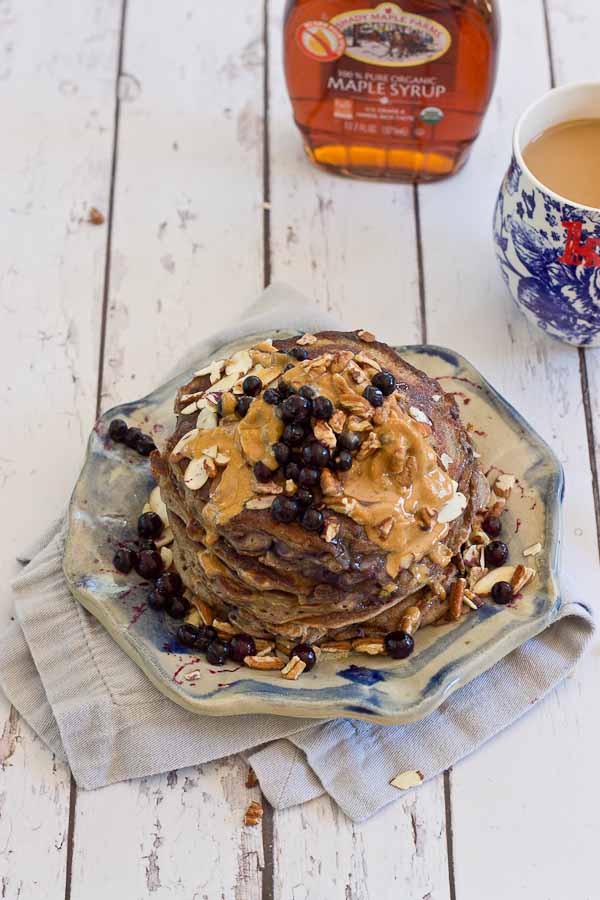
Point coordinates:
[(503, 485), (366, 360), (251, 779), (457, 595), (264, 663), (332, 529), (294, 668), (406, 477), (356, 423), (323, 433), (372, 646), (366, 336), (384, 528), (427, 518), (306, 340), (330, 486), (341, 360), (411, 620), (253, 814), (338, 421), (370, 445)]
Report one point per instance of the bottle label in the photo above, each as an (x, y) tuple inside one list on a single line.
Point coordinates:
[(383, 36)]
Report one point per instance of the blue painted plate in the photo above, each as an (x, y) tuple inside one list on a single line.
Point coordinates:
[(115, 483)]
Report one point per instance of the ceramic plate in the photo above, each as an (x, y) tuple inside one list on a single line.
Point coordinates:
[(115, 483)]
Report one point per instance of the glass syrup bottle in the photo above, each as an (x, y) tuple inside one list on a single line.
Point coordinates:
[(394, 91)]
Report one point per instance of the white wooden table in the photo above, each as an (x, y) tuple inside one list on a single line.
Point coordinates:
[(172, 119)]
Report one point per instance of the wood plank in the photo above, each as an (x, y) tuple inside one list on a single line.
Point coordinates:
[(177, 835), (187, 239), (350, 247), (399, 853), (57, 98), (507, 835), (186, 257)]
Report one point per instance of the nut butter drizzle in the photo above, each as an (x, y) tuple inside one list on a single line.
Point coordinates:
[(386, 492)]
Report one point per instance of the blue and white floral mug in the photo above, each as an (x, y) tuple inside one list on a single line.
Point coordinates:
[(548, 247)]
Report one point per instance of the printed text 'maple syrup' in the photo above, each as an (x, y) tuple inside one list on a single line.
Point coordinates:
[(391, 91)]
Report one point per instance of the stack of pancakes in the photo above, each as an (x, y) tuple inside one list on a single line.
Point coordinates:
[(393, 525)]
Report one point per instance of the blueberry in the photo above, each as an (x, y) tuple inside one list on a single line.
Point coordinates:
[(262, 472), (312, 520), (306, 653), (299, 353), (399, 644), (281, 452), (206, 634), (323, 408), (373, 395), (156, 600), (342, 461), (145, 445), (242, 645), (117, 430), (502, 593), (284, 509), (177, 607), (492, 525), (132, 436), (292, 471), (316, 454), (243, 405), (304, 497), (348, 440), (149, 564), (496, 554), (285, 389), (169, 584), (293, 434), (288, 367), (385, 381), (149, 525), (187, 635), (124, 560), (308, 392), (271, 396), (308, 476), (295, 408), (252, 386), (217, 652)]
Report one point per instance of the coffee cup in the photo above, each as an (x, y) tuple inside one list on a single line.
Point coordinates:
[(547, 246)]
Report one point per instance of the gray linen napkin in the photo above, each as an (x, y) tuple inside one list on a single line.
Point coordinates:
[(95, 709)]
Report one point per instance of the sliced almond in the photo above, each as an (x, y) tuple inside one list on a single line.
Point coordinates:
[(196, 474), (225, 627), (206, 419), (371, 646), (193, 617), (293, 669), (534, 550), (446, 461), (406, 780), (265, 346), (260, 502), (166, 554), (475, 575), (213, 369), (468, 602), (239, 364), (503, 485), (222, 459), (453, 508), (263, 663), (179, 450), (167, 537), (267, 487), (306, 340), (157, 505), (418, 415), (189, 409)]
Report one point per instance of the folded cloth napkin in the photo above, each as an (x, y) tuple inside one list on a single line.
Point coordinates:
[(95, 709)]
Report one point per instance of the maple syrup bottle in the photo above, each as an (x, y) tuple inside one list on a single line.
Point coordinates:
[(390, 91)]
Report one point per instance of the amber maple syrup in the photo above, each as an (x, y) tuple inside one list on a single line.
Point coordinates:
[(393, 91)]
